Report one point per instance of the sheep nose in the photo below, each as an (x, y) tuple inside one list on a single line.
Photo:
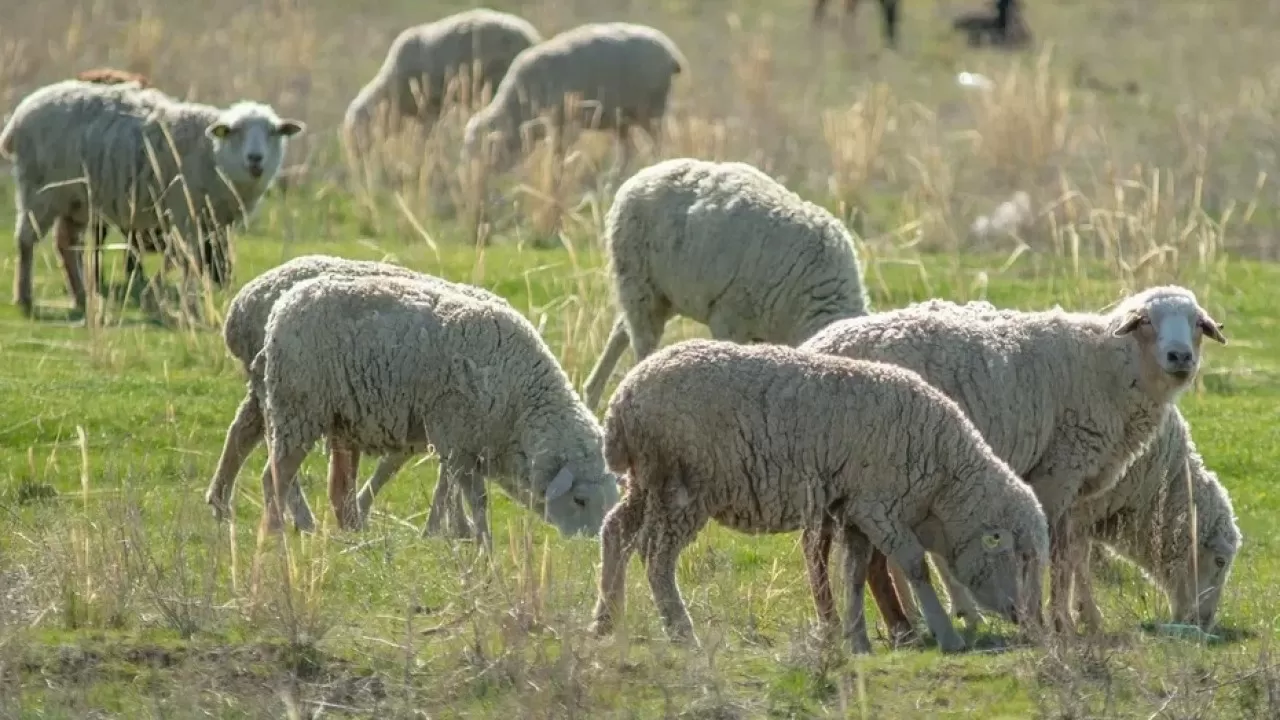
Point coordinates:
[(254, 158), (1178, 358)]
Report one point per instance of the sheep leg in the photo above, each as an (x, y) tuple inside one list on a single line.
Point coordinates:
[(903, 589), (857, 560), (888, 598), (962, 605), (1087, 605), (473, 486), (889, 15), (446, 507), (817, 555), (388, 466), (905, 549), (26, 235), (66, 234), (617, 541), (246, 429), (599, 375), (280, 481), (1060, 561), (663, 547), (344, 462)]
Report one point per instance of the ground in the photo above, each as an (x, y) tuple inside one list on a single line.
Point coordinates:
[(1143, 132)]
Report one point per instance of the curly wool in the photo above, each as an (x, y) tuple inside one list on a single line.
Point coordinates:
[(410, 366), (726, 245)]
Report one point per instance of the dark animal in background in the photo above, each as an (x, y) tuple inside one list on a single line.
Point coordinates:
[(889, 14), (214, 257), (1002, 26)]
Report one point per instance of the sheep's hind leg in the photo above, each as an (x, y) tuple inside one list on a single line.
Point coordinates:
[(388, 466), (617, 542), (817, 556), (662, 550), (26, 234), (599, 375), (857, 560)]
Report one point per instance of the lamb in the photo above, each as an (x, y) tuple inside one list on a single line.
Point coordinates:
[(118, 138), (1147, 517), (409, 365), (244, 332), (622, 73), (414, 78), (726, 245), (888, 11), (1068, 400), (710, 429)]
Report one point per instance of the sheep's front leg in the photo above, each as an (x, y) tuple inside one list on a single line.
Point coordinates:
[(1082, 575), (902, 546), (663, 549), (889, 598), (344, 465), (1061, 550), (962, 605), (473, 486), (294, 498), (66, 235), (617, 542), (446, 507), (857, 560), (387, 467), (280, 479)]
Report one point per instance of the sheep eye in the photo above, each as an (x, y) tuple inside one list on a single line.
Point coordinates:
[(1220, 562), (582, 503)]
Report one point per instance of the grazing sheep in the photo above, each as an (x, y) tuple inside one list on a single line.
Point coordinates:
[(621, 72), (394, 365), (118, 138), (726, 245), (1147, 518), (422, 59), (1067, 399), (244, 332), (769, 439), (888, 11)]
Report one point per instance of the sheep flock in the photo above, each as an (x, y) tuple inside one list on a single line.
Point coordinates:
[(995, 444)]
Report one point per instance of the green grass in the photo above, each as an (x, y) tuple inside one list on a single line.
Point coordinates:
[(121, 597)]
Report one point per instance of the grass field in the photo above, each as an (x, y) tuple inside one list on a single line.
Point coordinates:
[(121, 597)]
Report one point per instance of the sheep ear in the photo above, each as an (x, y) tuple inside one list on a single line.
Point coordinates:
[(217, 130), (1130, 322), (1212, 328), (471, 378), (560, 484), (289, 128)]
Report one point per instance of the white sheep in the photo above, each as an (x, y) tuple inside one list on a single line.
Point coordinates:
[(244, 332), (620, 72), (138, 158), (725, 245), (476, 44), (394, 365), (1067, 399), (1148, 519), (770, 439)]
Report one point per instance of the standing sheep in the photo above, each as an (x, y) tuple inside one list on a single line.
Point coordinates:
[(1067, 399), (406, 365), (244, 332), (769, 439), (415, 76), (725, 245), (1147, 517), (621, 72), (142, 160)]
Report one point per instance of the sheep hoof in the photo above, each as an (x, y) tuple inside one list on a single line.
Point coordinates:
[(601, 626), (950, 642)]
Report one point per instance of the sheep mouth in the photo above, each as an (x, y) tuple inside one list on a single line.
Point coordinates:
[(255, 171), (1181, 375)]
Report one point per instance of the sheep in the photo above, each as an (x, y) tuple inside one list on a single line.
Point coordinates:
[(244, 332), (414, 77), (137, 242), (888, 11), (726, 245), (710, 429), (117, 137), (1147, 517), (621, 72), (408, 364), (1067, 399)]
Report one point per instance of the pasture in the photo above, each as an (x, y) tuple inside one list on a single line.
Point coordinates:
[(1144, 133)]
